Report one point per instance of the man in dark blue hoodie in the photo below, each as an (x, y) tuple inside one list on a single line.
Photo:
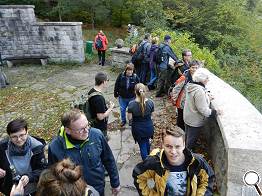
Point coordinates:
[(164, 67)]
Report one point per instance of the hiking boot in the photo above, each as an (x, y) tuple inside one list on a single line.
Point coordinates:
[(122, 124)]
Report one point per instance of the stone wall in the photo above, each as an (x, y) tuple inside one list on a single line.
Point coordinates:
[(21, 35), (234, 138), (120, 56)]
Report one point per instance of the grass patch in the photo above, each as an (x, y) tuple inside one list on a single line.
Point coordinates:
[(41, 109)]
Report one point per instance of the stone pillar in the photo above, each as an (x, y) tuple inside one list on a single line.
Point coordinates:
[(120, 56)]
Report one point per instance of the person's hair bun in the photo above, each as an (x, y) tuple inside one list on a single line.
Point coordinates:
[(67, 171)]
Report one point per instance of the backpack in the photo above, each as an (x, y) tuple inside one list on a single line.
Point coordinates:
[(177, 92), (99, 43), (160, 56), (139, 54), (133, 49), (83, 104)]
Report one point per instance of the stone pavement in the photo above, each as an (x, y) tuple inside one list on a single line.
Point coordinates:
[(127, 155), (69, 82)]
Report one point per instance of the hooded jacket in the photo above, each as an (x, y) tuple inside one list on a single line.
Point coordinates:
[(104, 41), (200, 176), (197, 105), (94, 155), (167, 52), (121, 88)]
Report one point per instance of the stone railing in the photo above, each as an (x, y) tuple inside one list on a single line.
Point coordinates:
[(234, 138), (21, 35)]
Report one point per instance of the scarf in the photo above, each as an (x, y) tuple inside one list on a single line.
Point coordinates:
[(14, 150)]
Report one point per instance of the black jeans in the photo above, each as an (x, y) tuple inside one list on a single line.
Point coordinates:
[(101, 56), (180, 120), (192, 134)]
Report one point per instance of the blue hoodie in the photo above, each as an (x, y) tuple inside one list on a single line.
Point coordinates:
[(168, 52)]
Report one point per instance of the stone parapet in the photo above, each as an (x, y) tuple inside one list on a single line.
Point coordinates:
[(234, 138), (21, 35), (120, 56)]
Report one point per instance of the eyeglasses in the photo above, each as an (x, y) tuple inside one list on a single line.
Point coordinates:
[(16, 137), (86, 128)]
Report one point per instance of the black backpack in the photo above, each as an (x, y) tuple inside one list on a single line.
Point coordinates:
[(99, 43), (83, 104), (160, 55), (139, 55)]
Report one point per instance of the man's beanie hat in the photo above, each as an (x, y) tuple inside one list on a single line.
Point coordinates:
[(167, 37)]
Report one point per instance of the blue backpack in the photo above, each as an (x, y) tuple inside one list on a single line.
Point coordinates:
[(99, 43)]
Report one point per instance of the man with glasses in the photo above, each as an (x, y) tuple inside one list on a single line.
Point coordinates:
[(22, 158), (85, 146)]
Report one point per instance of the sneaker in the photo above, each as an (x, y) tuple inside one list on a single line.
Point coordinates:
[(99, 63)]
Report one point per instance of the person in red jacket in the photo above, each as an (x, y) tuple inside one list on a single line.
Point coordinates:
[(100, 44)]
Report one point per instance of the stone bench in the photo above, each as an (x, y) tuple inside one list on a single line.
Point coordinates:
[(26, 59)]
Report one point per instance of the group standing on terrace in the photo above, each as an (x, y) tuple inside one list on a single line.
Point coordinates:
[(79, 157)]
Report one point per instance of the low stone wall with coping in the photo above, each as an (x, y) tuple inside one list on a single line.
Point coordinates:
[(120, 56), (234, 138), (21, 35)]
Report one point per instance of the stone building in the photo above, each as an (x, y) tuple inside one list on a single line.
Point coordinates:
[(22, 36)]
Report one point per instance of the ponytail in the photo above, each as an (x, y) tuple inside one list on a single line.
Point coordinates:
[(140, 92)]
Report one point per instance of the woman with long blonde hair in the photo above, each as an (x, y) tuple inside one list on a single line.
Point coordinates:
[(140, 112)]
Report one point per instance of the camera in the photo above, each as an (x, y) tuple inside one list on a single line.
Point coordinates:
[(15, 176)]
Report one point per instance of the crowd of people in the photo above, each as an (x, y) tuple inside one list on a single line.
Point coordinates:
[(79, 157)]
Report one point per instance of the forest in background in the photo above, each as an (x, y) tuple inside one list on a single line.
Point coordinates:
[(229, 30)]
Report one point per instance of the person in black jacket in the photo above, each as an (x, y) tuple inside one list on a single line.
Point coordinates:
[(22, 158), (124, 89)]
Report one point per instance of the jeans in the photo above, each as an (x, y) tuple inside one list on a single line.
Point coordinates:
[(123, 102), (144, 146), (101, 56), (153, 77)]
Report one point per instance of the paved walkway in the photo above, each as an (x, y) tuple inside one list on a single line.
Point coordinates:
[(69, 82)]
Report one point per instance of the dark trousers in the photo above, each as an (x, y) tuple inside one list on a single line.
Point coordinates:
[(180, 120), (142, 71), (144, 146), (101, 56), (162, 82), (192, 134)]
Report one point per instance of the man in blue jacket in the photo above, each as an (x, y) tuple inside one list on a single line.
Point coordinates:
[(165, 70), (87, 147)]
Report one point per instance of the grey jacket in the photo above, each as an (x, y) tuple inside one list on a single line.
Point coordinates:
[(197, 105)]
